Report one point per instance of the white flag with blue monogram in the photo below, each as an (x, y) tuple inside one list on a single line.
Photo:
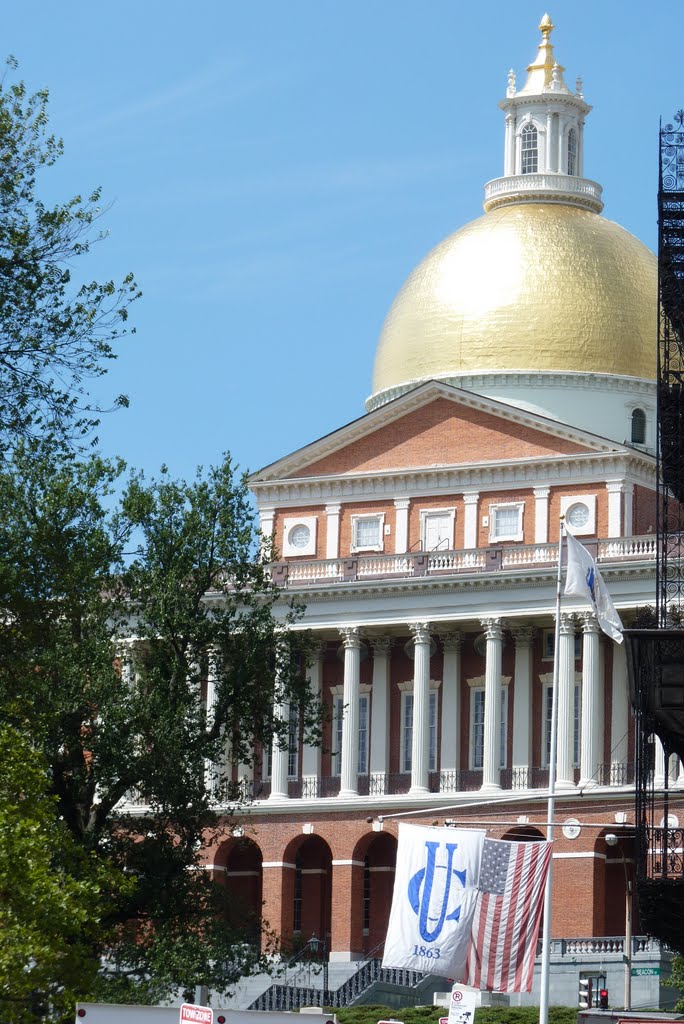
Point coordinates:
[(434, 899), (585, 580)]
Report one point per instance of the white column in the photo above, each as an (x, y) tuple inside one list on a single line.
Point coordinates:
[(659, 775), (615, 489), (565, 775), (619, 717), (550, 151), (541, 515), (281, 714), (580, 149), (401, 530), (380, 715), (311, 753), (420, 742), (470, 499), (332, 531), (450, 750), (212, 770), (491, 771), (522, 706), (509, 145), (591, 734), (266, 518), (628, 503), (349, 782)]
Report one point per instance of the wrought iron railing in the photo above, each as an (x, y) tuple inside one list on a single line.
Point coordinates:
[(292, 994)]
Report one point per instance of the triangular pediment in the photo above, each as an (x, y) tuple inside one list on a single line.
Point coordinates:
[(436, 425)]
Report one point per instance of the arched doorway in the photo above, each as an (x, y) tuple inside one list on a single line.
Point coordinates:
[(244, 885), (378, 853), (312, 891)]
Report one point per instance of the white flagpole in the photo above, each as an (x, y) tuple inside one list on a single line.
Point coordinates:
[(546, 936)]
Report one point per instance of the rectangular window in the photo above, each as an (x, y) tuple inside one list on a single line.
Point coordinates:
[(293, 744), (367, 532), (506, 522), (576, 725), (364, 731), (477, 712), (432, 766), (407, 732), (363, 734), (549, 644)]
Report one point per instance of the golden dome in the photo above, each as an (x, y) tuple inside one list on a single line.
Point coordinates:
[(529, 286)]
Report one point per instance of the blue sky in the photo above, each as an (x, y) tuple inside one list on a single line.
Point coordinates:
[(276, 170)]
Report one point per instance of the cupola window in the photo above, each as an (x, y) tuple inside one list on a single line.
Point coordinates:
[(530, 150), (572, 151), (638, 426)]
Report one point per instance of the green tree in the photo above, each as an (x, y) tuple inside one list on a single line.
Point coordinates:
[(55, 334), (107, 655), (51, 893)]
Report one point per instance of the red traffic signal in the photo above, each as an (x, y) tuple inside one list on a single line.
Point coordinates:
[(603, 998)]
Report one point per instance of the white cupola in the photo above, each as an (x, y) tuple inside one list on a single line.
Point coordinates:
[(544, 142)]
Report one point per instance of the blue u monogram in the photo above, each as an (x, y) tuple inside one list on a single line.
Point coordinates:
[(420, 891)]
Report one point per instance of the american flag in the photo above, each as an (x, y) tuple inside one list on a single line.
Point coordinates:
[(503, 940)]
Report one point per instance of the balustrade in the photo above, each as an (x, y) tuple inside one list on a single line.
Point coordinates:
[(504, 558)]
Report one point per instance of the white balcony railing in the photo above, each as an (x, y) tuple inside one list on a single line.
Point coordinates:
[(497, 558)]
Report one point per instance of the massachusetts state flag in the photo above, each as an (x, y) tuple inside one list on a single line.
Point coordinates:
[(505, 929), (585, 581)]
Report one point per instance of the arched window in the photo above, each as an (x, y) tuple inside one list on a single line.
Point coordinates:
[(638, 426), (529, 150), (572, 151)]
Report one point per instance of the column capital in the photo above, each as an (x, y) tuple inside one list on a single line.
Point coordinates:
[(471, 497), (351, 636), (567, 623), (316, 649), (589, 623), (451, 639), (381, 644), (402, 503), (523, 635), (493, 628), (333, 510), (420, 631), (541, 492), (615, 486)]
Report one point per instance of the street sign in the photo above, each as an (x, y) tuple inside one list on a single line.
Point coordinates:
[(191, 1014), (462, 1005), (648, 971)]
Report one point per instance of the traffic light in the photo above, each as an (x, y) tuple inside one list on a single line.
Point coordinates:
[(585, 993), (603, 998)]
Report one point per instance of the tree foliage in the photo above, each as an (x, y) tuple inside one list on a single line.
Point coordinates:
[(109, 661), (52, 893), (55, 333)]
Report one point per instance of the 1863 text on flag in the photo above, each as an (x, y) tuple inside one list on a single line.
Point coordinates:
[(508, 914)]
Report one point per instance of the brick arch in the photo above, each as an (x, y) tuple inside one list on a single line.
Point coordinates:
[(615, 866), (242, 876), (310, 902), (375, 857), (523, 834)]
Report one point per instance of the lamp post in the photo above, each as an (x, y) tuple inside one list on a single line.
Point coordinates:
[(319, 946), (612, 840)]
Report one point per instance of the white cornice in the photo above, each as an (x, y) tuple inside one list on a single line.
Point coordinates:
[(522, 379), (587, 468)]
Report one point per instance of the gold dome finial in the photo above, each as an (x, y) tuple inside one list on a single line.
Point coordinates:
[(540, 71)]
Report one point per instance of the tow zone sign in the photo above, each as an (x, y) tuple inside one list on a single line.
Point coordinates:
[(191, 1014)]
